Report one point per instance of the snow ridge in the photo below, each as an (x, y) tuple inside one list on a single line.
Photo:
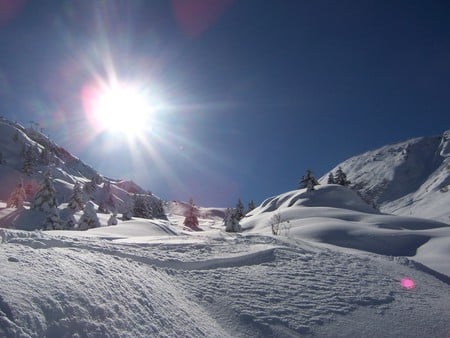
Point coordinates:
[(410, 178)]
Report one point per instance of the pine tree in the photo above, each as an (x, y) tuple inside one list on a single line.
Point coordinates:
[(89, 188), (45, 201), (191, 220), (251, 206), (239, 209), (308, 181), (76, 201), (142, 207), (52, 221), (1, 158), (231, 221), (127, 208), (331, 179), (341, 178), (29, 160), (18, 195), (45, 198), (89, 218), (113, 219)]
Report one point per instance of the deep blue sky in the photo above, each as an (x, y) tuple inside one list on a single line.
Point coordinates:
[(257, 92)]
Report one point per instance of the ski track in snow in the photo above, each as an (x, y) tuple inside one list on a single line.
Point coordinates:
[(243, 286)]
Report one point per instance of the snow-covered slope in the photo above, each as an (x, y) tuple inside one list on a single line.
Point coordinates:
[(137, 280), (410, 178), (336, 215), (26, 155)]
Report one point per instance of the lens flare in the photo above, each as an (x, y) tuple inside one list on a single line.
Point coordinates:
[(407, 283)]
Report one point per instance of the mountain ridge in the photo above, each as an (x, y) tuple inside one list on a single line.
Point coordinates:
[(410, 177)]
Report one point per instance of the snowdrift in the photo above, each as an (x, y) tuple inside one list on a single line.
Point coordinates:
[(336, 215)]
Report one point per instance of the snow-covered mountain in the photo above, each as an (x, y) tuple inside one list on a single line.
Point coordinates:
[(410, 178), (27, 156)]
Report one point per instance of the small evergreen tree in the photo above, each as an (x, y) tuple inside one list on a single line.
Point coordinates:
[(341, 178), (89, 188), (331, 178), (1, 158), (52, 221), (46, 202), (308, 181), (191, 220), (251, 206), (18, 195), (239, 209), (231, 221), (45, 199), (76, 200), (142, 206), (113, 219), (127, 209), (89, 218), (29, 160)]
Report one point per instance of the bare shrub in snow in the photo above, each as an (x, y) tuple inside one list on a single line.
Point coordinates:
[(278, 225), (191, 220)]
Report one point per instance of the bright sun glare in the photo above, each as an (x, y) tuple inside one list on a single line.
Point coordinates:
[(122, 108)]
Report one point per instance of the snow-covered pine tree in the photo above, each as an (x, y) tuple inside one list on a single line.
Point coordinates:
[(239, 209), (45, 201), (89, 218), (331, 178), (127, 208), (45, 198), (308, 181), (76, 200), (341, 178), (52, 221), (89, 188), (142, 207), (29, 160), (157, 207), (191, 220), (113, 219), (18, 195), (231, 221), (106, 201)]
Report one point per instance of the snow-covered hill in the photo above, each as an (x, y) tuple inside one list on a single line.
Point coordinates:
[(27, 156), (410, 178), (156, 278)]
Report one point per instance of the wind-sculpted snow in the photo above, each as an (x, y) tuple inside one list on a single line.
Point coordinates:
[(216, 286)]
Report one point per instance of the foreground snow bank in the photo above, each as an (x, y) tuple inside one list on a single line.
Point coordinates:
[(221, 286)]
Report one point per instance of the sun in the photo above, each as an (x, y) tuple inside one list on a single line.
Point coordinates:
[(121, 108)]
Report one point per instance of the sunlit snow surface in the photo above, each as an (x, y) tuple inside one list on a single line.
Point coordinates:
[(156, 278)]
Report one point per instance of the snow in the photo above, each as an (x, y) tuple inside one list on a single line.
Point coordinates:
[(146, 278), (409, 178)]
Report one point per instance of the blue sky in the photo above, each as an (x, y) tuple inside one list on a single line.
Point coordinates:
[(255, 92)]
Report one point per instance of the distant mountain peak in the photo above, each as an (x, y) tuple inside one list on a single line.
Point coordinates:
[(405, 178)]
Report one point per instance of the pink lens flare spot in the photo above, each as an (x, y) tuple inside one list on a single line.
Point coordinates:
[(407, 283)]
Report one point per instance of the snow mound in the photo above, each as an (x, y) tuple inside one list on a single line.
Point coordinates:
[(336, 215)]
